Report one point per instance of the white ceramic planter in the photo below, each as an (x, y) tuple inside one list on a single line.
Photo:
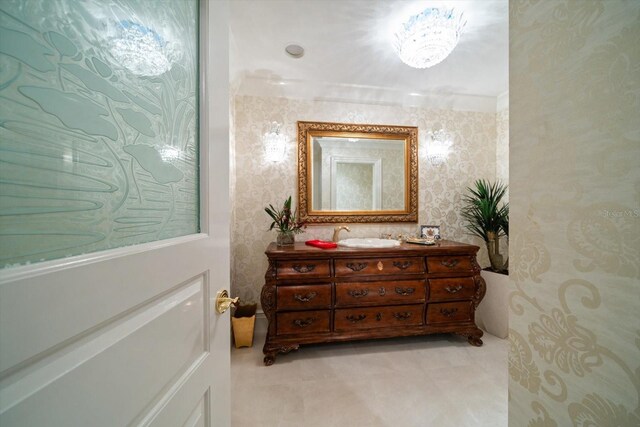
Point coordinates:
[(492, 314)]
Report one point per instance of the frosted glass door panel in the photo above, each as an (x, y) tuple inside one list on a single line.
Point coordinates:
[(98, 125)]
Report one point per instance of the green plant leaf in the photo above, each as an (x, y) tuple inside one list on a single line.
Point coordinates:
[(285, 219), (482, 211)]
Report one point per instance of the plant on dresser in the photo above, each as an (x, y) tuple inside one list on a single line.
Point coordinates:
[(312, 296), (286, 221)]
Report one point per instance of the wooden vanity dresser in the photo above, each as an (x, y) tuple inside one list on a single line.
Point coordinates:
[(313, 295)]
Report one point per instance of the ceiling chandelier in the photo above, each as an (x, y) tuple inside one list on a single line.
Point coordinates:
[(427, 38)]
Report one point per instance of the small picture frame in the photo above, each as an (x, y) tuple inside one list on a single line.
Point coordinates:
[(430, 231)]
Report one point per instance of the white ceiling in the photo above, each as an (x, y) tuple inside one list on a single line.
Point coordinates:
[(349, 56)]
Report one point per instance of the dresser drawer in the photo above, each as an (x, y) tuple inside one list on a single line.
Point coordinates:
[(447, 312), (379, 293), (448, 264), (453, 288), (350, 319), (376, 266), (304, 297), (302, 322), (300, 269)]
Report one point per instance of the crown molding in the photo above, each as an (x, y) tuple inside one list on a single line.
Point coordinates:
[(502, 102), (360, 94)]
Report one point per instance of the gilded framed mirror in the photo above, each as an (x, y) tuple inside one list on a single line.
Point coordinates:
[(357, 173)]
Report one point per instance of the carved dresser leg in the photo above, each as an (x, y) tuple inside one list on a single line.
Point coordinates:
[(474, 338), (269, 359), (472, 335), (268, 302), (271, 351)]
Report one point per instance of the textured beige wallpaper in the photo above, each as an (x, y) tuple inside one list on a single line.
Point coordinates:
[(357, 181), (575, 213), (502, 148), (259, 183)]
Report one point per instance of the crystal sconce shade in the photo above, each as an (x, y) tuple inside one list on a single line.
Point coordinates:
[(428, 38), (438, 149), (275, 144)]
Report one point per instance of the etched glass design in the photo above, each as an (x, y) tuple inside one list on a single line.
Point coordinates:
[(98, 125)]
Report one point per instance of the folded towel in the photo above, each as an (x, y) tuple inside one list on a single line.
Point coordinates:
[(321, 244)]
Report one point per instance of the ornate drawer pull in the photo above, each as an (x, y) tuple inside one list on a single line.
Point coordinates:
[(379, 317), (304, 268), (380, 265), (358, 293), (402, 265), (453, 290), (402, 316), (356, 266), (355, 319), (405, 291), (306, 298), (303, 323), (450, 263), (382, 291), (449, 312)]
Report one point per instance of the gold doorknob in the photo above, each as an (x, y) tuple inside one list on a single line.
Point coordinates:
[(223, 302)]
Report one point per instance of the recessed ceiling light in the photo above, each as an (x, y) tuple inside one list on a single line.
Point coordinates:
[(294, 50)]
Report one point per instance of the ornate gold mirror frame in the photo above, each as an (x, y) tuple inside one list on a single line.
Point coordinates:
[(310, 131)]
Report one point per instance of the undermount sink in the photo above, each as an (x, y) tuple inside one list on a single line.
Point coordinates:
[(369, 243)]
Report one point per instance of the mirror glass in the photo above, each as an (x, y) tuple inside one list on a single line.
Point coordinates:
[(357, 173)]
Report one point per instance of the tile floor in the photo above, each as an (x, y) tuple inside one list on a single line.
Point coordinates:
[(437, 380)]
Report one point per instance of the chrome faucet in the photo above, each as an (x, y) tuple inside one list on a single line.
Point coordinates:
[(336, 232)]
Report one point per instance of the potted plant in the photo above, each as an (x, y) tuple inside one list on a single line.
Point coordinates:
[(504, 227), (286, 221), (487, 218)]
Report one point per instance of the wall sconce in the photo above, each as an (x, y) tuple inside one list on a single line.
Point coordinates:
[(275, 143), (439, 147)]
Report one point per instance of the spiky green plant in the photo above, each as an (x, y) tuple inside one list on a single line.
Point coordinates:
[(486, 217), (284, 219), (504, 220)]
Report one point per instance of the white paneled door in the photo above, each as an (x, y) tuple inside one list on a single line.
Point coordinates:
[(130, 336)]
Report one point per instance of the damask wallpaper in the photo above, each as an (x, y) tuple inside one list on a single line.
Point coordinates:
[(575, 213), (502, 148), (258, 182), (357, 180)]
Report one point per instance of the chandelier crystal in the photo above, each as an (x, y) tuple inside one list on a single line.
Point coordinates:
[(428, 38)]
